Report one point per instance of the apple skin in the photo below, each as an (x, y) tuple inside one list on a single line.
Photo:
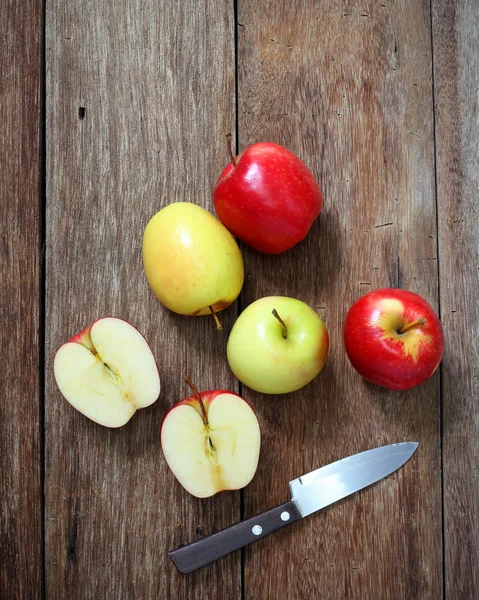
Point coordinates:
[(84, 338), (203, 475), (269, 200), (382, 355), (262, 359), (191, 260)]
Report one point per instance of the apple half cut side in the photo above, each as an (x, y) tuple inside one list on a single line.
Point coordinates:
[(214, 449), (107, 372)]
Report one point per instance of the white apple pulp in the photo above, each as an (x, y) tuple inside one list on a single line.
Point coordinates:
[(222, 455), (109, 374)]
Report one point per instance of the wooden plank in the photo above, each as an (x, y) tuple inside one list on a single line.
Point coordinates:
[(456, 68), (20, 272), (140, 95), (349, 90)]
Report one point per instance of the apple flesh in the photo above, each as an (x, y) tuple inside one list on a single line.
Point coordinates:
[(211, 442), (192, 262), (107, 372), (267, 197), (393, 338), (277, 345)]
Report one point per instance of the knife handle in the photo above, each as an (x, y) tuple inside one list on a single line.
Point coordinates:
[(198, 554)]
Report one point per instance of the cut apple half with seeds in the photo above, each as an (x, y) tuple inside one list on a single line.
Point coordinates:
[(214, 448), (107, 372)]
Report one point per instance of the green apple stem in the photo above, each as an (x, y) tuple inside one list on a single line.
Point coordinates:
[(230, 150), (283, 324), (198, 396), (416, 323), (219, 327)]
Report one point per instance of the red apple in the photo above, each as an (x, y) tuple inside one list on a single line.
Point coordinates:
[(211, 442), (393, 338), (267, 197)]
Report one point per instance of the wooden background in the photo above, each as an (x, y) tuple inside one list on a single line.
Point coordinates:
[(110, 110)]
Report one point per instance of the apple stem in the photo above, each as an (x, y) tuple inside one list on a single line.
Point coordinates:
[(219, 327), (416, 323), (230, 150), (283, 324), (198, 396)]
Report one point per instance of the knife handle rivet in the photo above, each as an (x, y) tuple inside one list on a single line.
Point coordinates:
[(257, 530), (285, 516)]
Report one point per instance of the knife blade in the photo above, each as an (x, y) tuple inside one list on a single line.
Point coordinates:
[(309, 493)]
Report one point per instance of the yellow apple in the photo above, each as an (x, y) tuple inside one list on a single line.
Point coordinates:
[(192, 262)]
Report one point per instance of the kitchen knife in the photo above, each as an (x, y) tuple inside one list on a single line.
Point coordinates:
[(309, 493)]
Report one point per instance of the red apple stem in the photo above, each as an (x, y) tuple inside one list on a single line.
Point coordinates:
[(416, 323), (230, 150), (198, 396), (219, 327), (274, 312)]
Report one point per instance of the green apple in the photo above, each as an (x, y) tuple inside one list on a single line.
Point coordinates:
[(192, 262), (277, 345)]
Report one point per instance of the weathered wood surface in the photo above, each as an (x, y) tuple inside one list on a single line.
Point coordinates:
[(156, 82), (20, 299), (456, 68), (349, 90), (138, 98)]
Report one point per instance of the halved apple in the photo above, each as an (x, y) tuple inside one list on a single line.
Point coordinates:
[(107, 372), (211, 442)]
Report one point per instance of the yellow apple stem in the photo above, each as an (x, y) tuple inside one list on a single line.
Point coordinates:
[(283, 324), (416, 323), (219, 327), (230, 150), (198, 396)]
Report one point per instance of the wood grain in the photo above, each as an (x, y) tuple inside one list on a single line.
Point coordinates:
[(349, 90), (456, 62), (140, 95), (20, 268)]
